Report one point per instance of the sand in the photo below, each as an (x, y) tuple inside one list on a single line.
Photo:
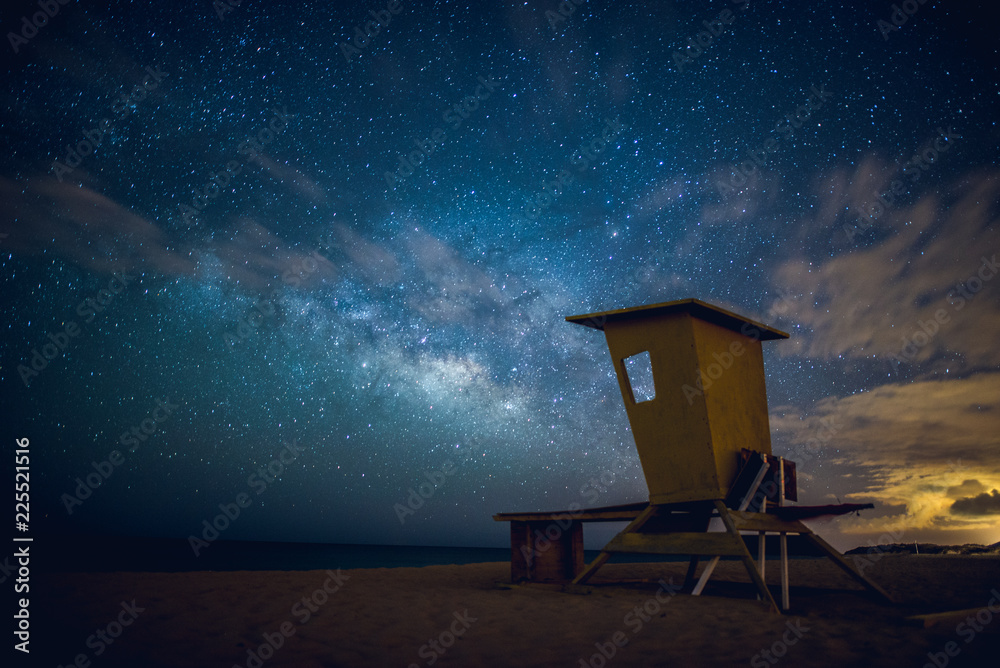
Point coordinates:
[(389, 617)]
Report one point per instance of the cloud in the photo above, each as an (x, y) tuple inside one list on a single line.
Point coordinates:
[(457, 291), (252, 256), (915, 445), (878, 298), (967, 488), (87, 228), (982, 504), (293, 179), (368, 260), (81, 225)]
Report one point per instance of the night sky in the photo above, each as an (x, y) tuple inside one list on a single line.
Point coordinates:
[(251, 235)]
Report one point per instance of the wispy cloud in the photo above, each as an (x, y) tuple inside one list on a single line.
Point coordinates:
[(919, 446), (870, 300), (79, 225)]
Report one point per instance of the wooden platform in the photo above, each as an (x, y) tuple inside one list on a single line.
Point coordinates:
[(547, 547)]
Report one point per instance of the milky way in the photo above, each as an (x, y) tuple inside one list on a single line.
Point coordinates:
[(340, 240)]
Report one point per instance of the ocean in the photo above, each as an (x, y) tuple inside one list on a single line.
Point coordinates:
[(171, 555), (94, 554)]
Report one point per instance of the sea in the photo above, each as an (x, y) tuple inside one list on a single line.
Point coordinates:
[(98, 554)]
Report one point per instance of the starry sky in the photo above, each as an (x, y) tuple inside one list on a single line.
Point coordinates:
[(340, 240)]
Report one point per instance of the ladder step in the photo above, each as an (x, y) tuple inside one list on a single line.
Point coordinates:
[(703, 544)]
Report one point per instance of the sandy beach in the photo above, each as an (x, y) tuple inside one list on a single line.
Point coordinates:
[(463, 616)]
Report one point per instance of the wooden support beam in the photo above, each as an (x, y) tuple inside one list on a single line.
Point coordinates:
[(761, 547), (602, 558), (761, 554), (746, 521), (747, 559), (705, 575), (701, 544)]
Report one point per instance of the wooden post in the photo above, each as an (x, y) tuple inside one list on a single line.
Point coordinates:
[(692, 569), (558, 559), (761, 548), (783, 538)]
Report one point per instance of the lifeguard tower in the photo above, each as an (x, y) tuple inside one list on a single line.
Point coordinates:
[(692, 378)]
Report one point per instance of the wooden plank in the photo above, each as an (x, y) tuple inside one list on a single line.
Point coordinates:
[(794, 513), (785, 603), (669, 522), (745, 521), (628, 511), (577, 516), (702, 544), (742, 491)]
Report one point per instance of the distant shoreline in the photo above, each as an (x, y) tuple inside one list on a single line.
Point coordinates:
[(929, 549)]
